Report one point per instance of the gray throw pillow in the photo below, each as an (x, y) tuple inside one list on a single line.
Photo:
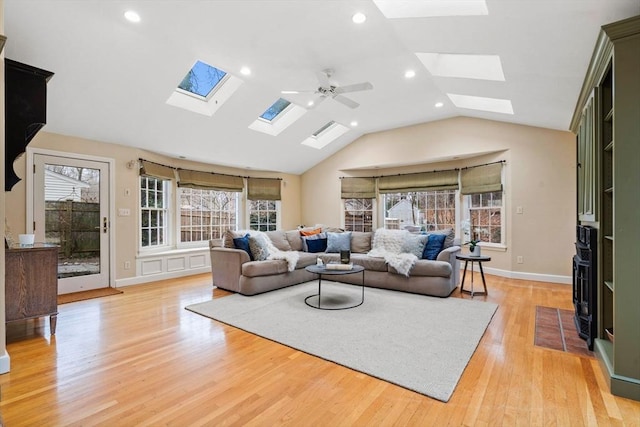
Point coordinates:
[(337, 242), (414, 244), (258, 247)]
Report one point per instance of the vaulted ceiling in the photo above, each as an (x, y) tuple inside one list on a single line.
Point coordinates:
[(113, 77)]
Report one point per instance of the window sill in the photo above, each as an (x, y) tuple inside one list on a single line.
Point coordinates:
[(171, 251), (493, 247)]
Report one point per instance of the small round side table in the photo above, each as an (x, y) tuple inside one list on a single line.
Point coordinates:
[(479, 259)]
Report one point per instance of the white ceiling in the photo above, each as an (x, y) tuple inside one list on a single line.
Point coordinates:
[(113, 78)]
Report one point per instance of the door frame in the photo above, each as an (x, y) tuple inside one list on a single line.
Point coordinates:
[(31, 151)]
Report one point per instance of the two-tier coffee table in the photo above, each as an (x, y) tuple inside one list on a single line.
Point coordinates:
[(321, 270)]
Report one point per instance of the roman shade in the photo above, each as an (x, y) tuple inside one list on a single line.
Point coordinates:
[(481, 179), (263, 189), (156, 170), (209, 181), (358, 188), (423, 181)]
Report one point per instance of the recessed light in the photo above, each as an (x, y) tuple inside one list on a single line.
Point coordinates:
[(132, 16), (354, 124), (245, 71), (310, 104), (439, 104), (409, 74), (359, 18)]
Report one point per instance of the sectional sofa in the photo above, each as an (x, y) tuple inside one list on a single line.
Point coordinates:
[(233, 269)]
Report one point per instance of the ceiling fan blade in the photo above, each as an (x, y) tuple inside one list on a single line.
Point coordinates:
[(323, 78), (354, 88), (346, 101)]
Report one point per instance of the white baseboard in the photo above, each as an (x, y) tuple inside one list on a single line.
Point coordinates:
[(138, 280), (537, 277), (5, 363)]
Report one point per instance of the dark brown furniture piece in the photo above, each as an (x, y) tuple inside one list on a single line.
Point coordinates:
[(466, 258), (31, 284)]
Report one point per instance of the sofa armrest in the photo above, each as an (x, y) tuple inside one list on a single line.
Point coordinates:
[(226, 267), (449, 255)]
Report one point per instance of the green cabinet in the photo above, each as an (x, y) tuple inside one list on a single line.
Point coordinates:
[(608, 117)]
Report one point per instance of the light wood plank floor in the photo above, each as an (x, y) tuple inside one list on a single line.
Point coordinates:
[(141, 359)]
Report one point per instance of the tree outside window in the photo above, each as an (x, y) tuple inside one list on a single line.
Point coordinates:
[(485, 216), (358, 214), (263, 215), (153, 211), (420, 210), (206, 214)]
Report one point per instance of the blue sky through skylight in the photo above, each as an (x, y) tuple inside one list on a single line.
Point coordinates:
[(202, 79), (277, 108)]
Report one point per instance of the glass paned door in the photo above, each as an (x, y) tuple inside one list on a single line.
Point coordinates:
[(71, 211)]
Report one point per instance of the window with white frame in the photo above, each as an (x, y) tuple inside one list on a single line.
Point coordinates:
[(206, 214), (263, 214), (153, 212), (358, 214), (420, 210), (484, 214)]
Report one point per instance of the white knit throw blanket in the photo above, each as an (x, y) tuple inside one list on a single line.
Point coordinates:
[(274, 253), (388, 244)]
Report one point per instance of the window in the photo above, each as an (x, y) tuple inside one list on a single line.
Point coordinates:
[(358, 214), (263, 215), (202, 79), (485, 216), (278, 107), (206, 214), (153, 212), (427, 210)]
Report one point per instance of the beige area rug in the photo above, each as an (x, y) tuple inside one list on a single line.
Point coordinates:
[(417, 342), (80, 296)]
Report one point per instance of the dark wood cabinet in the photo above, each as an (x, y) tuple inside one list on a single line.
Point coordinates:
[(31, 284)]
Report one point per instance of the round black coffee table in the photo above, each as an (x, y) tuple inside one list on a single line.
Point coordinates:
[(321, 270)]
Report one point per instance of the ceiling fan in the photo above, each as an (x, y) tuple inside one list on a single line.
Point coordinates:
[(327, 89)]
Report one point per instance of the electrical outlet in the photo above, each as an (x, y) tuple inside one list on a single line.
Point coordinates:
[(124, 212), (127, 265), (520, 259)]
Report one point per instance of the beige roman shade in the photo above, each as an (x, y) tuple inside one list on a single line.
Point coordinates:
[(156, 170), (358, 188), (481, 179), (209, 181), (263, 189), (423, 181)]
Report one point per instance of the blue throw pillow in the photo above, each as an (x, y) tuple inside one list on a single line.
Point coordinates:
[(317, 245), (337, 242), (243, 243), (433, 246), (306, 239)]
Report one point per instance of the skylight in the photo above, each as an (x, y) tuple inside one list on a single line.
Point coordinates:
[(325, 135), (202, 79), (278, 107), (204, 89), (430, 8), (323, 128), (493, 105), (482, 67)]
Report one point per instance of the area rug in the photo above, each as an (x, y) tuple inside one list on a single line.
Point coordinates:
[(417, 342), (556, 330), (83, 295)]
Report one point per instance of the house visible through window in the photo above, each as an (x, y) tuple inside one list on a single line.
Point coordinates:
[(358, 214), (420, 210), (485, 216), (206, 214), (153, 211), (263, 214), (202, 79), (278, 107)]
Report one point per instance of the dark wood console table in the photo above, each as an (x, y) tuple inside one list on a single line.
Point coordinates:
[(31, 284)]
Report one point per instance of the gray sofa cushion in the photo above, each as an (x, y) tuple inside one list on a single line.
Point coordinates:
[(306, 259), (361, 242), (294, 239), (424, 267), (279, 240), (368, 262), (264, 268)]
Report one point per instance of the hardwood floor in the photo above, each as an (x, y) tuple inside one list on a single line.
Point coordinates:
[(141, 359)]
